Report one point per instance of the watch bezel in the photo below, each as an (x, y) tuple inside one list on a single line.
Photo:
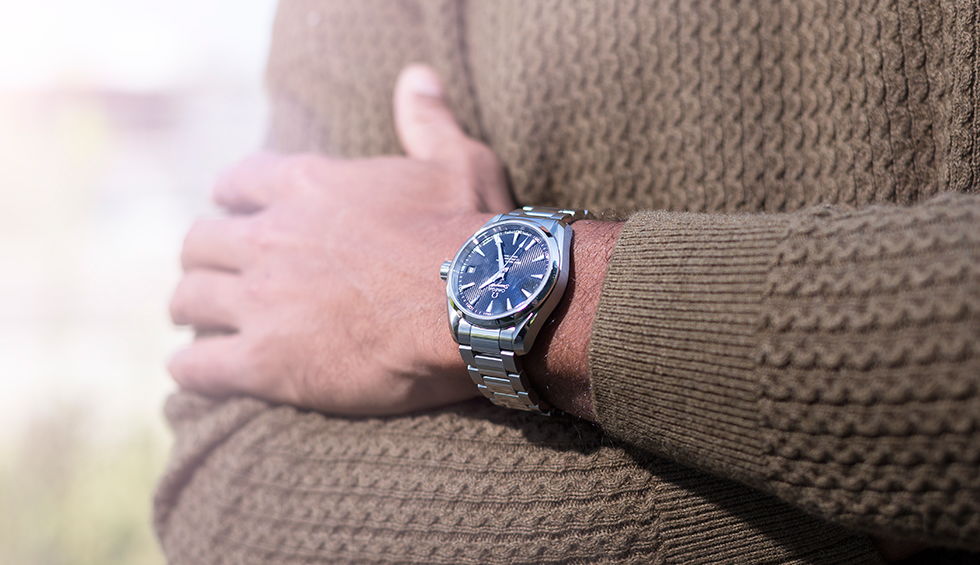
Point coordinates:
[(524, 308)]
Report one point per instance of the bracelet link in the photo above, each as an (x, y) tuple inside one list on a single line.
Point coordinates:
[(491, 361), (499, 378)]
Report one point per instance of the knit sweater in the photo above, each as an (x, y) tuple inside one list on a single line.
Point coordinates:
[(784, 356)]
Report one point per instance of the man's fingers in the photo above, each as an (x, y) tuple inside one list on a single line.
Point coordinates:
[(425, 124), (250, 185), (221, 365), (212, 365), (215, 243), (208, 300), (429, 131)]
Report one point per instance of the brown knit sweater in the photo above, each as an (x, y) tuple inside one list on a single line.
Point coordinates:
[(786, 349)]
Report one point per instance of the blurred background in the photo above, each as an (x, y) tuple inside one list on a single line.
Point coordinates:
[(115, 117)]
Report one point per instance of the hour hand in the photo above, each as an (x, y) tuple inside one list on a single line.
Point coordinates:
[(489, 281)]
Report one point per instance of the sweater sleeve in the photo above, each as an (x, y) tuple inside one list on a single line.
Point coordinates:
[(827, 356)]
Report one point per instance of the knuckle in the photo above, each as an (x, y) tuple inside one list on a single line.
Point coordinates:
[(257, 363), (195, 233), (480, 157), (254, 290), (186, 297), (259, 236), (177, 312), (236, 174), (197, 237), (463, 191), (300, 171), (192, 236), (253, 354), (220, 191), (469, 198), (178, 304), (180, 368)]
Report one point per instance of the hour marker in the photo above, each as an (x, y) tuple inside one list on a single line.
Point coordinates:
[(515, 238), (539, 276), (538, 258), (466, 286), (480, 251), (526, 293), (490, 306), (508, 304)]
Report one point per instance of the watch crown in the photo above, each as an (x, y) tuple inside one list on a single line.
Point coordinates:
[(444, 270)]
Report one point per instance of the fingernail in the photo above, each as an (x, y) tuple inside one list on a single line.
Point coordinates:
[(423, 81)]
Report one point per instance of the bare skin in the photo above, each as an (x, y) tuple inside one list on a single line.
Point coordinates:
[(320, 288)]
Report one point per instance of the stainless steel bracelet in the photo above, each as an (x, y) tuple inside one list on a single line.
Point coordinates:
[(566, 216), (489, 352)]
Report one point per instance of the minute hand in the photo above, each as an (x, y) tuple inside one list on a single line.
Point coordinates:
[(503, 270), (500, 253)]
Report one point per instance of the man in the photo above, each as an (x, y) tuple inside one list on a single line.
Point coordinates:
[(777, 347)]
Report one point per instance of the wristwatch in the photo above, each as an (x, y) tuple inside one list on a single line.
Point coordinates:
[(502, 285)]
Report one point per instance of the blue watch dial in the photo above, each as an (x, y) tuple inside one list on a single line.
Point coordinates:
[(501, 270)]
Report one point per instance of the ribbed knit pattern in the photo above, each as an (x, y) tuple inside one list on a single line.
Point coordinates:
[(870, 368), (827, 356), (470, 484), (786, 344), (675, 343)]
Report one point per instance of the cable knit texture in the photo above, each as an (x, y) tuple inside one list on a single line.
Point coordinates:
[(785, 352)]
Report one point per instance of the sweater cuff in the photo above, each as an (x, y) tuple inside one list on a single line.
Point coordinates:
[(672, 347)]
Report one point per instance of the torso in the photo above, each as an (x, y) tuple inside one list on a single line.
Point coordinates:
[(702, 106)]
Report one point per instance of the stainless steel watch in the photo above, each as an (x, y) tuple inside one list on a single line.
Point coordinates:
[(502, 285)]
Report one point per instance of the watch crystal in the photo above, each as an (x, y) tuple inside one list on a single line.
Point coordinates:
[(501, 270)]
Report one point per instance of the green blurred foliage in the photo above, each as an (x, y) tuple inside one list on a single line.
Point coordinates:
[(69, 499)]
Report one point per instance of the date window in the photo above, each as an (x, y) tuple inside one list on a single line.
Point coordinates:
[(470, 270)]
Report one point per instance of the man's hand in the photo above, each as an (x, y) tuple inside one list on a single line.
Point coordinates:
[(321, 289)]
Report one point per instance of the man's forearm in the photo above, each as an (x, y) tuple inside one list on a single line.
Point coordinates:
[(558, 363)]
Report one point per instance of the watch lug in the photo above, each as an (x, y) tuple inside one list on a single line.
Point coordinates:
[(517, 335), (454, 317), (523, 334), (551, 226)]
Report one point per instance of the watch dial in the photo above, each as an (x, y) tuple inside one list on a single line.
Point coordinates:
[(501, 270)]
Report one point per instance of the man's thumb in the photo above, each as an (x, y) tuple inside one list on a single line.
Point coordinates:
[(425, 124)]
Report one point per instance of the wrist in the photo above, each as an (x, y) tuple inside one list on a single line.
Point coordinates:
[(558, 363)]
